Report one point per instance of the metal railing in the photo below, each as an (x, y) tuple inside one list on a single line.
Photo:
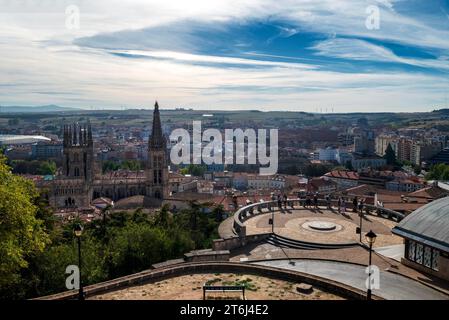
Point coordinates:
[(254, 209)]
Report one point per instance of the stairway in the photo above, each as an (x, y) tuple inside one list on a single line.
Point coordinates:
[(283, 242)]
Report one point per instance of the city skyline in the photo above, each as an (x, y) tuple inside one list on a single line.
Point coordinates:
[(264, 55)]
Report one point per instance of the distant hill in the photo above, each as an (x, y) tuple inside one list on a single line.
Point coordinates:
[(36, 109), (442, 111)]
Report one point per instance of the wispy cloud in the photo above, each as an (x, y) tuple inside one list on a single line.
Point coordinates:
[(355, 49), (266, 54)]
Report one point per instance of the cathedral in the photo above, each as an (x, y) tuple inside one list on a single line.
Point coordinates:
[(79, 183)]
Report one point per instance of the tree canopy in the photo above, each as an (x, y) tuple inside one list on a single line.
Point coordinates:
[(35, 250), (438, 171), (390, 155), (22, 234)]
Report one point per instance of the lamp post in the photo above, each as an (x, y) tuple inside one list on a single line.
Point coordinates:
[(370, 238), (78, 231)]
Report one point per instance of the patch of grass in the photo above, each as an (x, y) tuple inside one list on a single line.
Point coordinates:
[(212, 281), (247, 283)]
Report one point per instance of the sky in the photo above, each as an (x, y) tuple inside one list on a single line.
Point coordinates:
[(296, 55)]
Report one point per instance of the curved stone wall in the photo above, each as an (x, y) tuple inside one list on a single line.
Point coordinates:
[(154, 275), (254, 209)]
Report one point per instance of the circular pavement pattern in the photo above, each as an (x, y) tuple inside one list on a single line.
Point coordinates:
[(296, 224), (321, 226)]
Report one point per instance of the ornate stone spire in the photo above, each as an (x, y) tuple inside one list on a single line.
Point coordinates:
[(157, 139), (89, 134)]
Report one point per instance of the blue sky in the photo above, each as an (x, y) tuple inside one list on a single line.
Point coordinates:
[(299, 55)]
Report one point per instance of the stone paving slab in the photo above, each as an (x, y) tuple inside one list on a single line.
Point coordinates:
[(289, 224), (390, 286), (355, 255)]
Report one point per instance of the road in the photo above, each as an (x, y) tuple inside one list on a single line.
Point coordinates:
[(395, 252), (391, 286)]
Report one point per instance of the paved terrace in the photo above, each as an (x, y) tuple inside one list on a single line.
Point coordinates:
[(391, 286), (290, 223)]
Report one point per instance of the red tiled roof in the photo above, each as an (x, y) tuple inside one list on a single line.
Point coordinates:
[(430, 192), (343, 174)]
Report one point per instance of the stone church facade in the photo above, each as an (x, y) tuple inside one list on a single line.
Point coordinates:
[(79, 183)]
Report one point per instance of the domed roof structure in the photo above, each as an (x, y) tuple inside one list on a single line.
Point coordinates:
[(428, 225)]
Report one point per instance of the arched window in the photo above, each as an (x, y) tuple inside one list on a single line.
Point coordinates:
[(77, 172), (157, 194), (155, 176)]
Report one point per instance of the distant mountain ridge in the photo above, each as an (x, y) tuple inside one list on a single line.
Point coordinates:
[(36, 109)]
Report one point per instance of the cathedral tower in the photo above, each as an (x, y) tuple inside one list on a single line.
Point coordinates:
[(73, 186), (157, 170), (78, 154)]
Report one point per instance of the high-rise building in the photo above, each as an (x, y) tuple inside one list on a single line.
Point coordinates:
[(421, 151), (382, 142)]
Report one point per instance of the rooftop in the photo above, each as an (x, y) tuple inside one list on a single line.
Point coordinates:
[(343, 174), (428, 224), (21, 139)]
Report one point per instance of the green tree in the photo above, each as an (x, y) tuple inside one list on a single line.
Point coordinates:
[(194, 169), (162, 218), (438, 171), (49, 267), (219, 212), (201, 222), (316, 170), (417, 169), (109, 165), (349, 165), (390, 155), (47, 167), (22, 234), (132, 165)]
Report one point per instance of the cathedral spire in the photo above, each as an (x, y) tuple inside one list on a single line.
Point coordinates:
[(89, 134), (157, 139)]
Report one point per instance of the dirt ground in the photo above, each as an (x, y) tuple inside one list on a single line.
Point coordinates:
[(189, 287)]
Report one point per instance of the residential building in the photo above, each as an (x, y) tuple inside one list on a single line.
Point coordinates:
[(421, 151), (343, 179), (322, 185), (360, 161), (327, 154), (205, 186), (402, 148), (240, 181), (343, 157), (46, 150), (405, 185), (382, 142), (440, 157)]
